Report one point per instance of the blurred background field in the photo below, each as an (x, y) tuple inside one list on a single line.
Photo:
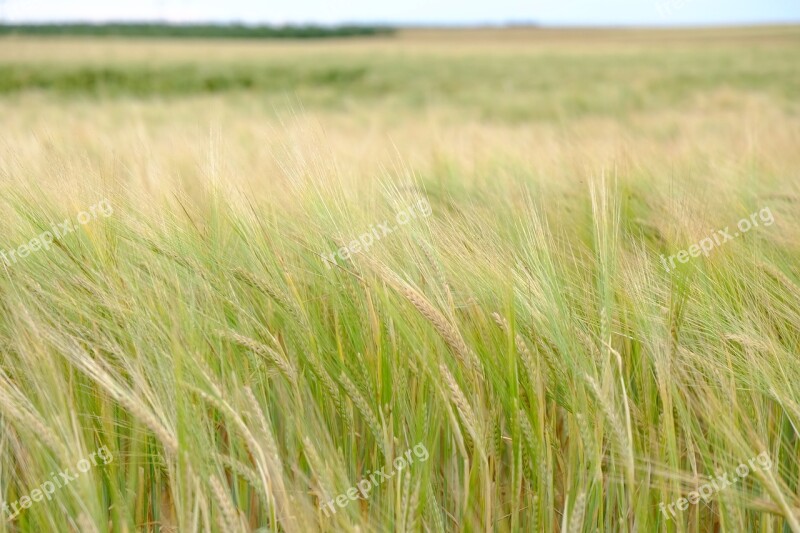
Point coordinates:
[(549, 103), (500, 74)]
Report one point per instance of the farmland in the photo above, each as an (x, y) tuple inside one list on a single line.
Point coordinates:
[(513, 357)]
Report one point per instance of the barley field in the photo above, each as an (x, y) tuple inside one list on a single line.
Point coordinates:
[(436, 280)]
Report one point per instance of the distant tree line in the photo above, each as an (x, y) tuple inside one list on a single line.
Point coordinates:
[(194, 30)]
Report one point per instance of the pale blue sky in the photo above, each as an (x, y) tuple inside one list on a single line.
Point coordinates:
[(550, 12)]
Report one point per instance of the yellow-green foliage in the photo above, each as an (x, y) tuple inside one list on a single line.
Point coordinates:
[(526, 333)]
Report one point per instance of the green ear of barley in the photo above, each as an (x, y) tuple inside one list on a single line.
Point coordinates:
[(365, 410), (271, 355), (446, 330), (522, 349), (528, 448), (463, 407), (229, 515), (265, 287), (576, 518)]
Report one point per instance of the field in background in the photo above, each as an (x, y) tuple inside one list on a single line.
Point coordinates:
[(184, 31), (525, 332)]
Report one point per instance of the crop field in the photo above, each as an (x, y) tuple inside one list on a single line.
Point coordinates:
[(430, 280)]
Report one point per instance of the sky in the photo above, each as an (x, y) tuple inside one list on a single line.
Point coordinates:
[(435, 12)]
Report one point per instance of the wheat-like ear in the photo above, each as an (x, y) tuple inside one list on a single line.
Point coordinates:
[(782, 278), (243, 470), (462, 405), (501, 322), (585, 432), (528, 443), (365, 410), (748, 342), (611, 415), (98, 372), (433, 510), (331, 388), (230, 519), (522, 348), (15, 406), (412, 522), (534, 513), (576, 519), (263, 426), (428, 251), (318, 469), (446, 330), (181, 260), (264, 451), (264, 286), (271, 355), (86, 524), (290, 520), (222, 405), (519, 342)]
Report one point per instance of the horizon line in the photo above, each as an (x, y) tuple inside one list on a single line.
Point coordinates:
[(511, 24)]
